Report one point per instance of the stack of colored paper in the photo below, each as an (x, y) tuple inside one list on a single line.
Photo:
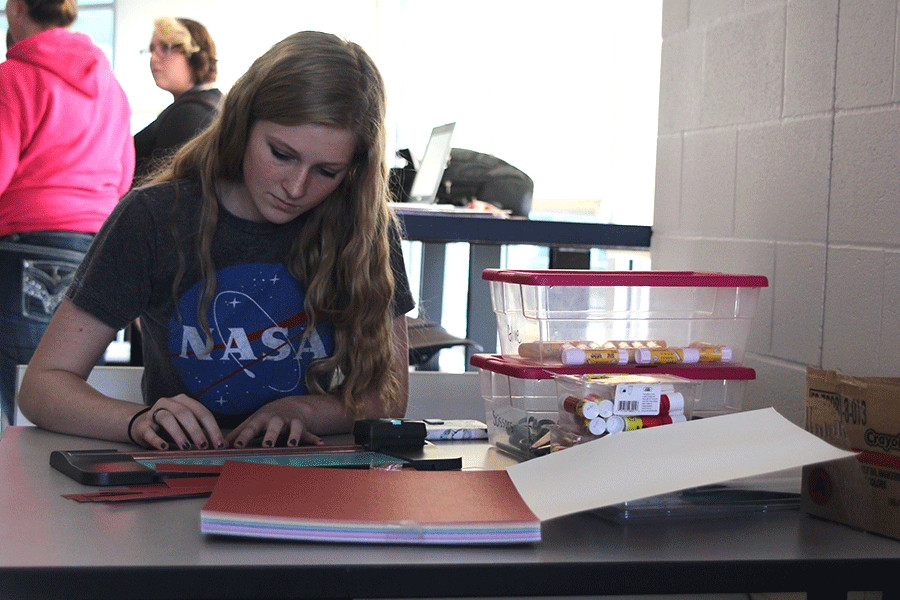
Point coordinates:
[(501, 507), (380, 506)]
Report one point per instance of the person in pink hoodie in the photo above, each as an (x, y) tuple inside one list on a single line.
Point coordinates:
[(66, 157)]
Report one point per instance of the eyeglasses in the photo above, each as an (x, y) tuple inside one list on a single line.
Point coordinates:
[(161, 50)]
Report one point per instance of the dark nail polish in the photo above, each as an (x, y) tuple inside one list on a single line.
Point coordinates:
[(220, 445), (292, 442), (239, 444), (268, 443), (203, 445), (186, 446), (164, 446)]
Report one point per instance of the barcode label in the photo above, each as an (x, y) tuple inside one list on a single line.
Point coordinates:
[(637, 399)]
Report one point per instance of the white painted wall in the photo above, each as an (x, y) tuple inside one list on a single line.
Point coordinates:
[(779, 134), (566, 92), (242, 31)]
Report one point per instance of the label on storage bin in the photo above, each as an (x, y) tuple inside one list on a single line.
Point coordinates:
[(638, 399)]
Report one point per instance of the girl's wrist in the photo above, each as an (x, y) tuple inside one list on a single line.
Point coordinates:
[(131, 424)]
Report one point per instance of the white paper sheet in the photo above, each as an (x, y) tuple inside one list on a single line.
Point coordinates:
[(658, 460)]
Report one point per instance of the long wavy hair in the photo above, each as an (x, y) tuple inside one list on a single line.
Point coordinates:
[(341, 256)]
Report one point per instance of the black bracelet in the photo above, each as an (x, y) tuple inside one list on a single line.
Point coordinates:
[(131, 422)]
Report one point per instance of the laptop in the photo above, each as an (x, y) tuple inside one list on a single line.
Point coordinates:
[(431, 169)]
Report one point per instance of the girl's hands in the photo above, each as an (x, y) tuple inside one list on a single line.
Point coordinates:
[(183, 420), (286, 416)]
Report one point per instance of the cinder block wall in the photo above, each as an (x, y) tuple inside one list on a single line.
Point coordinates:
[(779, 140)]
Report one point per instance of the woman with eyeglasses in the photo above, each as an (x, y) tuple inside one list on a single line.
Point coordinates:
[(265, 265), (66, 157), (183, 63)]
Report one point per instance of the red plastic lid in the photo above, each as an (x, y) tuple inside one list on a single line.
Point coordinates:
[(560, 277), (522, 370)]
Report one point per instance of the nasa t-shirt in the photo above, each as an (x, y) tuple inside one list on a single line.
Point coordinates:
[(262, 341), (258, 352)]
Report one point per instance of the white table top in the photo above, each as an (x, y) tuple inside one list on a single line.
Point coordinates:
[(55, 547)]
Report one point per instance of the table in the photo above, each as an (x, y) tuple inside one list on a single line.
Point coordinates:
[(569, 244), (457, 226), (56, 548)]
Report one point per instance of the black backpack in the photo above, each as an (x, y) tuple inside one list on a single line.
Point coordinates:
[(474, 175), (471, 176)]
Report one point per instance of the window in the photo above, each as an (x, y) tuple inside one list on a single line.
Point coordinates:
[(96, 18), (567, 91)]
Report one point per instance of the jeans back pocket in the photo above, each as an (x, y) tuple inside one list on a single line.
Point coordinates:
[(44, 283)]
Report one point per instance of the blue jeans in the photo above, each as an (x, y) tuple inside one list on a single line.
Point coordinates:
[(35, 270)]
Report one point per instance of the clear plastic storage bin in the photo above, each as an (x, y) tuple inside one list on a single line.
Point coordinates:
[(642, 317), (522, 400), (520, 403)]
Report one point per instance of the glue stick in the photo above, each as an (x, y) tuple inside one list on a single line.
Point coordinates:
[(710, 352), (682, 355), (606, 408), (617, 424), (583, 407), (597, 426), (602, 356), (671, 404), (715, 354), (645, 356)]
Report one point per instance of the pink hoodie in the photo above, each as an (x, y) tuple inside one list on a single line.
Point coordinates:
[(66, 151)]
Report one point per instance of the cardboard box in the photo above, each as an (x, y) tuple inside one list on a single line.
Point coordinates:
[(858, 414)]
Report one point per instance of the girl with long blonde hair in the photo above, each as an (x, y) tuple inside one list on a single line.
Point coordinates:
[(264, 264)]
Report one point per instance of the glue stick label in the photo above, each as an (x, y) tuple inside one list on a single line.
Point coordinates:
[(715, 354), (670, 355), (633, 423), (580, 356)]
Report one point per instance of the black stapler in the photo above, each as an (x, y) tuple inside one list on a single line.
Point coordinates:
[(378, 434)]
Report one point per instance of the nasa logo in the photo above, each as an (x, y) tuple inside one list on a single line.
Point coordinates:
[(258, 351)]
